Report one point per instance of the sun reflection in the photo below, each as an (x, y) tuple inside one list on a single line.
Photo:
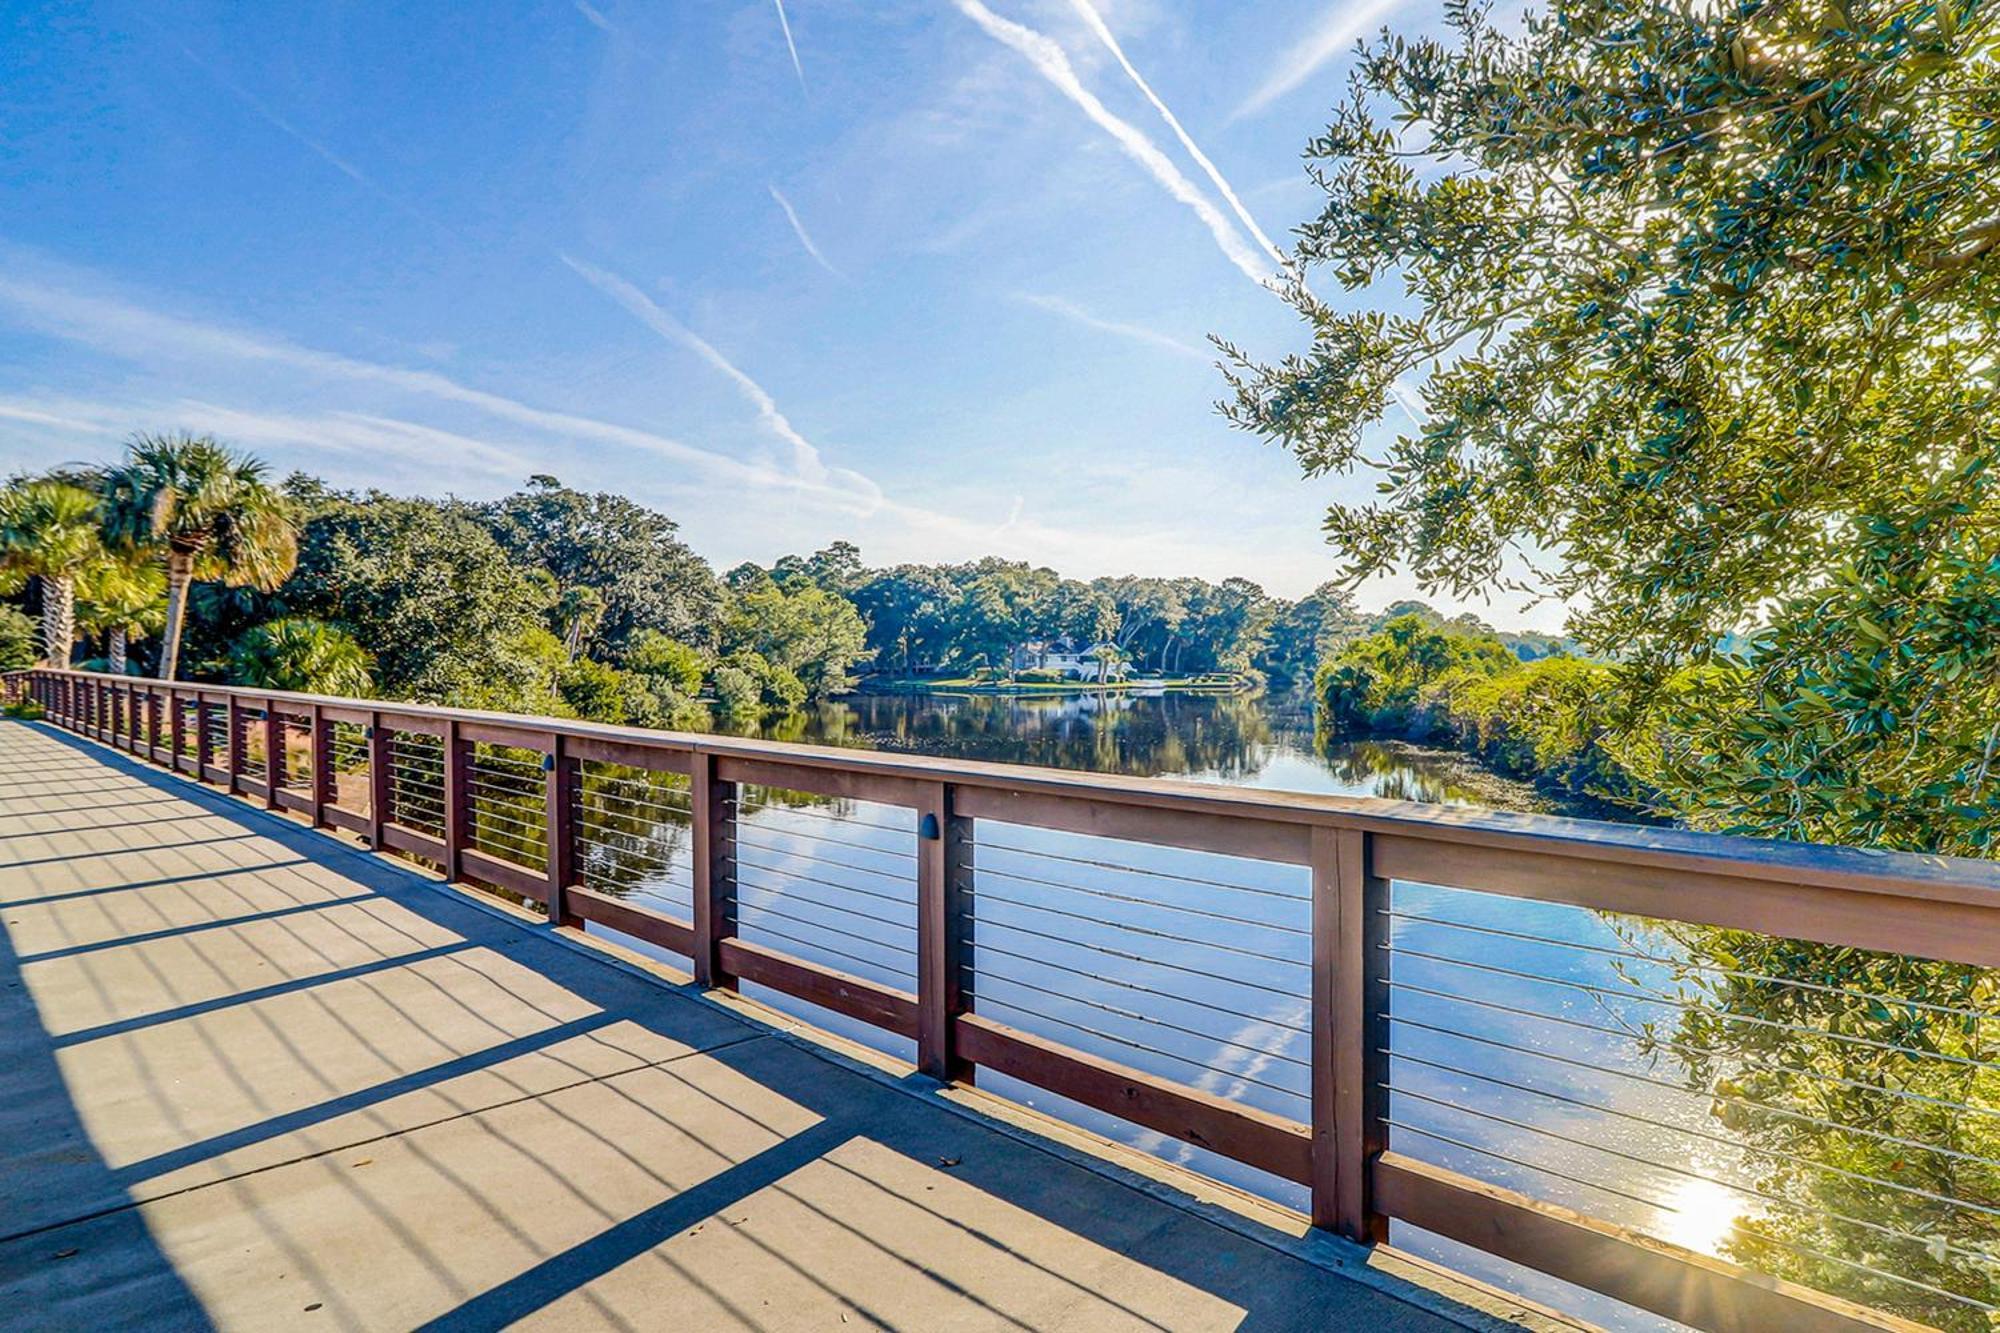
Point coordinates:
[(1703, 1215)]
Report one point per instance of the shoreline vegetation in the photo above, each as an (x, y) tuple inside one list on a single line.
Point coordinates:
[(1022, 685)]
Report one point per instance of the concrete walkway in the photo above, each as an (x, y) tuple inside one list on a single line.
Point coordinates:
[(252, 1077)]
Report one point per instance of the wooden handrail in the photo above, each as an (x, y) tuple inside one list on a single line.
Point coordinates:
[(1925, 906)]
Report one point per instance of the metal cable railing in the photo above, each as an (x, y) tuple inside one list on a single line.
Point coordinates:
[(1579, 1048)]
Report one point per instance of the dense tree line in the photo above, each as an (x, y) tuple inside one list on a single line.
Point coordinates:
[(552, 599)]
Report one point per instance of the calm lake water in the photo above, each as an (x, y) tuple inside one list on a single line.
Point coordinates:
[(1527, 1036)]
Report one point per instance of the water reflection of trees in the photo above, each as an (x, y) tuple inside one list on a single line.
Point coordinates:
[(1866, 1085), (1107, 733)]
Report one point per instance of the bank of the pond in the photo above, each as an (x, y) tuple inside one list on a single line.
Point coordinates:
[(1056, 688), (1254, 740)]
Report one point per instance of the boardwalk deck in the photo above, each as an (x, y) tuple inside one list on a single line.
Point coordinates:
[(252, 1077)]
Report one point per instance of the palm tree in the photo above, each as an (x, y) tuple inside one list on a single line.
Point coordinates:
[(208, 511), (122, 600), (304, 656), (49, 531)]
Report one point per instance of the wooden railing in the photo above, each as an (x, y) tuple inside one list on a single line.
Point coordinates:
[(1349, 852)]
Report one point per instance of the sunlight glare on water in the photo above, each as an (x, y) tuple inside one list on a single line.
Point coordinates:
[(1704, 1213)]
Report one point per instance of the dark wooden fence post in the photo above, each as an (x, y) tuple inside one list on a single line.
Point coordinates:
[(563, 776), (176, 729), (456, 753), (319, 763), (714, 871), (944, 866), (274, 754), (1350, 1037), (233, 729), (378, 779), (204, 745)]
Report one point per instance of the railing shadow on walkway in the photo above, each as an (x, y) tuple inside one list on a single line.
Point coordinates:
[(67, 1200)]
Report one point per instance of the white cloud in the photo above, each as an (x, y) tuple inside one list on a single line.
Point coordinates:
[(1137, 332), (138, 334), (389, 446), (806, 459), (1097, 25), (790, 45), (799, 230), (1053, 64), (1303, 59), (730, 508)]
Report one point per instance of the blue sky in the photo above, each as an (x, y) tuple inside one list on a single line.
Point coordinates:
[(934, 276)]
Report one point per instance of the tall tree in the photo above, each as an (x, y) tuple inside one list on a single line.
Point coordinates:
[(208, 512), (1707, 300), (123, 599), (49, 531), (448, 616), (632, 557)]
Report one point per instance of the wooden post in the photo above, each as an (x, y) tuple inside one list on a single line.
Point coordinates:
[(562, 775), (176, 729), (319, 764), (378, 778), (714, 871), (233, 730), (274, 754), (1350, 993), (944, 866), (204, 747), (152, 723), (456, 752)]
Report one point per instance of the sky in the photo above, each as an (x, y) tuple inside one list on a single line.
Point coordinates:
[(933, 276)]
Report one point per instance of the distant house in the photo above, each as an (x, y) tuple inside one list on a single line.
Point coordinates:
[(1067, 659)]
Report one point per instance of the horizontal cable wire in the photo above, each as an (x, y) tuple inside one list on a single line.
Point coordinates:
[(984, 947), (989, 923), (484, 815), (647, 793), (793, 895), (1131, 1044), (1877, 1272), (585, 803), (778, 832), (1690, 965), (900, 900), (1749, 1191), (1156, 874), (498, 787), (816, 812), (606, 781), (902, 875), (1158, 904), (1696, 1052), (1115, 1011), (832, 952), (1662, 1207), (1495, 1153), (1143, 930), (1641, 996), (1706, 1093), (869, 940), (1739, 1146)]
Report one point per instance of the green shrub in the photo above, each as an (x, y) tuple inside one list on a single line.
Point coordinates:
[(736, 690)]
